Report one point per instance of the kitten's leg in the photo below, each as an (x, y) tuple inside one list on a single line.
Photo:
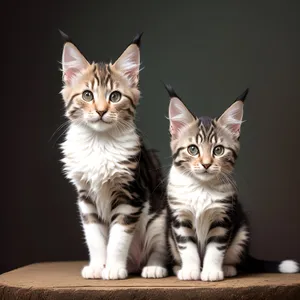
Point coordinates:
[(235, 252), (156, 242), (175, 257), (187, 246), (214, 254), (123, 224), (95, 234)]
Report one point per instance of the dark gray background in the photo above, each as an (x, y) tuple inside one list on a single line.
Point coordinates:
[(209, 51)]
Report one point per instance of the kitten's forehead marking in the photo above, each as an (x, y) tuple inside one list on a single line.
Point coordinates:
[(207, 133)]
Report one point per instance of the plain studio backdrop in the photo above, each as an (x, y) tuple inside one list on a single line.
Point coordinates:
[(209, 51)]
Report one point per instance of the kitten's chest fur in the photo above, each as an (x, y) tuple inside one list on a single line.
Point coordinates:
[(94, 161), (199, 203)]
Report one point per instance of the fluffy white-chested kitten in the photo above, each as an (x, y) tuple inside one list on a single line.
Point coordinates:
[(208, 233), (120, 200)]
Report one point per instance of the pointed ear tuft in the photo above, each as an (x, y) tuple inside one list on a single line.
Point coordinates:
[(232, 118), (179, 115), (129, 61), (65, 37), (137, 39), (170, 90), (243, 96), (73, 63)]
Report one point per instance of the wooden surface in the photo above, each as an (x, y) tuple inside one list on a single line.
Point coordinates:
[(62, 280)]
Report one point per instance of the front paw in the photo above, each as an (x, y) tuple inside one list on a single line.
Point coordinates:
[(154, 272), (188, 274), (229, 271), (114, 272), (212, 275), (92, 272)]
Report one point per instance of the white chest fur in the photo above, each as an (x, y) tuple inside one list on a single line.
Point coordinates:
[(92, 161), (197, 201)]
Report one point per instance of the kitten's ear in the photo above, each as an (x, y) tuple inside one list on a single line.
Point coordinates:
[(232, 118), (73, 62), (179, 115), (129, 61)]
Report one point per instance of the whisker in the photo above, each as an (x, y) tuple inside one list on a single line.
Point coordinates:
[(59, 128)]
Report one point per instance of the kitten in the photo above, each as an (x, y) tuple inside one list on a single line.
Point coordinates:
[(120, 199), (209, 230)]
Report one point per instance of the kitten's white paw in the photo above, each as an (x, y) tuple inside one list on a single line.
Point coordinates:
[(229, 271), (212, 275), (114, 272), (92, 272), (188, 274), (154, 272)]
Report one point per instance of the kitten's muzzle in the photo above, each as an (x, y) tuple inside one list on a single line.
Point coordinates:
[(101, 113), (206, 166)]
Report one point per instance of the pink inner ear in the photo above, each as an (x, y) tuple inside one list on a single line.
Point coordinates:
[(173, 109), (69, 74), (235, 128), (179, 116), (175, 127)]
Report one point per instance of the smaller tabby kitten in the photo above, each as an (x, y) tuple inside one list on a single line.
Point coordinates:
[(209, 234), (120, 199)]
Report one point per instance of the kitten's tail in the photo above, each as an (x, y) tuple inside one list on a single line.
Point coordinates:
[(253, 265)]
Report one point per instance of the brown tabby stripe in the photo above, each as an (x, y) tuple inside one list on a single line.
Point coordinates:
[(125, 219), (130, 99), (222, 239), (203, 132), (107, 79), (84, 197), (97, 78), (86, 200), (71, 100), (197, 138), (184, 239), (152, 219), (185, 223), (130, 112), (90, 218), (211, 134), (233, 152), (73, 112), (177, 152), (179, 163)]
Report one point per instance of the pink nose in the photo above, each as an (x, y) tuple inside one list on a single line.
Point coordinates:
[(206, 166), (101, 113)]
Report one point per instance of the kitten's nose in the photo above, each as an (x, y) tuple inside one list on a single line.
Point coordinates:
[(206, 166), (101, 112)]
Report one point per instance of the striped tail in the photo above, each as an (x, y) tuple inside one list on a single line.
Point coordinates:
[(253, 265)]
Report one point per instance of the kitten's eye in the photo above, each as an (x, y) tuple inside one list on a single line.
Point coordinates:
[(87, 96), (193, 150), (218, 150), (115, 97)]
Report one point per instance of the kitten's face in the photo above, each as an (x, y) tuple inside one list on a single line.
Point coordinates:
[(101, 96), (205, 148)]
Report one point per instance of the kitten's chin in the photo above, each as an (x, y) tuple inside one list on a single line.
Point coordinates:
[(100, 126), (205, 177)]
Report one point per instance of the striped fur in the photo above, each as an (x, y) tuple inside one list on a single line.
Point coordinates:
[(208, 231), (121, 202)]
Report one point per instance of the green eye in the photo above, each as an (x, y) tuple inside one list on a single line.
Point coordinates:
[(87, 96), (218, 150), (193, 150), (115, 97)]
